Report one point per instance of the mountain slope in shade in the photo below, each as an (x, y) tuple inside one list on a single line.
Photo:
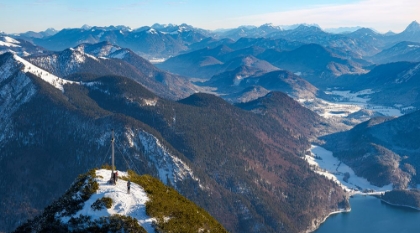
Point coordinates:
[(246, 95), (301, 122), (230, 83), (32, 34), (250, 31), (207, 62), (403, 51), (383, 150), (313, 62), (392, 84), (314, 35), (369, 37), (93, 204)]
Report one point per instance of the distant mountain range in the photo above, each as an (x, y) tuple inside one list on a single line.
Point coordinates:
[(163, 41)]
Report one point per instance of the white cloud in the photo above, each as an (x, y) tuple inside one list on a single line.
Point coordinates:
[(382, 15)]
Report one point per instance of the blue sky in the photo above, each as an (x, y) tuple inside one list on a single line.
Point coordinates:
[(38, 15)]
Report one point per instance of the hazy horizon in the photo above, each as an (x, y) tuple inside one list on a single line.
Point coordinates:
[(24, 15)]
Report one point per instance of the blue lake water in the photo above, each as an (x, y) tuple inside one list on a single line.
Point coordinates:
[(369, 214)]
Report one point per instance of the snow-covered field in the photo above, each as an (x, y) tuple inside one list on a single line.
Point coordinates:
[(360, 99), (133, 204), (347, 103), (330, 167), (156, 60), (328, 109)]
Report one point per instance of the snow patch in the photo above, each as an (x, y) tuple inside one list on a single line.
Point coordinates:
[(346, 103), (237, 80), (157, 60), (356, 97), (324, 163), (151, 31), (9, 42), (5, 44), (93, 57), (170, 168), (119, 54), (328, 109), (150, 102), (413, 46)]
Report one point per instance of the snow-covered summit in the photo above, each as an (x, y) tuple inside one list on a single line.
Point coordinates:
[(94, 204), (131, 204), (15, 63)]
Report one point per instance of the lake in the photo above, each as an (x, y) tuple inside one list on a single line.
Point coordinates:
[(369, 214)]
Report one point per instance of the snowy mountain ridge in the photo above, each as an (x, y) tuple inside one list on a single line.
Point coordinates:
[(44, 75), (18, 88)]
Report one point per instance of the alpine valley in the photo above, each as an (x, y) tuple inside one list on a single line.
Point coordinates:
[(237, 121)]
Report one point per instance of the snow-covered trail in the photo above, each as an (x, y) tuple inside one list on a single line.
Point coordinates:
[(133, 204)]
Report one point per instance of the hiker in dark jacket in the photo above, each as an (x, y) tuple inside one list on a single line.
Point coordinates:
[(128, 187)]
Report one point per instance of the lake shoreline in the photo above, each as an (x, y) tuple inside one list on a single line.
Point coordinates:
[(399, 205), (331, 173), (313, 229)]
